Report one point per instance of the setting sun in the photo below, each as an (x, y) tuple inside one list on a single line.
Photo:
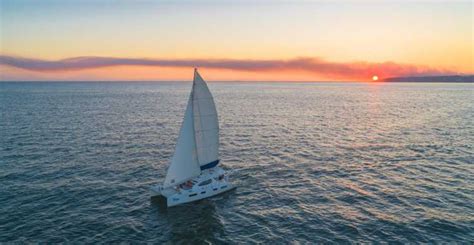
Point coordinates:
[(375, 78)]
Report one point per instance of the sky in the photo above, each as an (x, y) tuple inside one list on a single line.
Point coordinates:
[(135, 40)]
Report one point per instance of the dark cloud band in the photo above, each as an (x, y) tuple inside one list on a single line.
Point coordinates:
[(311, 65)]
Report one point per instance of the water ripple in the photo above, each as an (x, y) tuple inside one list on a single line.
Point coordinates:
[(314, 162)]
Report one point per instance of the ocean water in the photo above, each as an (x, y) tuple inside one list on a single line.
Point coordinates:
[(325, 162)]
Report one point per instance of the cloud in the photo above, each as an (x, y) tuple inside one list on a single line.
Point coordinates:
[(310, 65)]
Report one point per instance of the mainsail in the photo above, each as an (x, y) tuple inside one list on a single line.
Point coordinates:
[(206, 125), (198, 142)]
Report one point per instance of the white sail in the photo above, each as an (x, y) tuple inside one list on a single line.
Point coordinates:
[(184, 164), (206, 125)]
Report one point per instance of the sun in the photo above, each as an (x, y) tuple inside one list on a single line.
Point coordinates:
[(375, 78)]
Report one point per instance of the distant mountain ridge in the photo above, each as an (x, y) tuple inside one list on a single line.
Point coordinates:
[(434, 79)]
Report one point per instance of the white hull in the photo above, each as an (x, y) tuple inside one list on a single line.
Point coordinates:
[(211, 182)]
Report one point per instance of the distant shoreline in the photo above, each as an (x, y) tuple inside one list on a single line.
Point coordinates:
[(433, 79)]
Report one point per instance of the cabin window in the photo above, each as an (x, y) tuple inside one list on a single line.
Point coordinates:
[(203, 192), (205, 182), (191, 195), (223, 187)]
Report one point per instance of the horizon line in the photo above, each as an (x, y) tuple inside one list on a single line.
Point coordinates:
[(244, 81)]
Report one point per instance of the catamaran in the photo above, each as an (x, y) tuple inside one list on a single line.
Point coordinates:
[(193, 173)]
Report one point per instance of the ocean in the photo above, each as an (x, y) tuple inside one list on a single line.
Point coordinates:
[(314, 162)]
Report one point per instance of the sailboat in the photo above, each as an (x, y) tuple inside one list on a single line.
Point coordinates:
[(193, 173)]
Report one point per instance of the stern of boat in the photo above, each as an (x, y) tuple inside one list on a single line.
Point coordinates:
[(156, 190)]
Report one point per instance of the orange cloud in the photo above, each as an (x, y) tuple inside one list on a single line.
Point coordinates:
[(316, 66)]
